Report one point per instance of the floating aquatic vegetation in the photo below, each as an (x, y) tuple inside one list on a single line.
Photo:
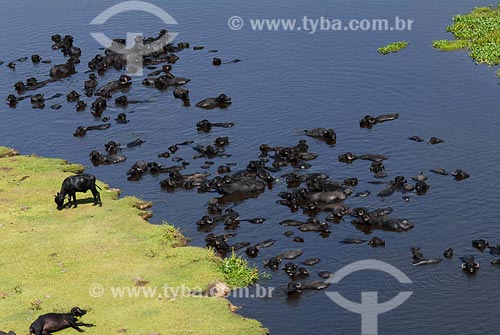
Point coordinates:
[(392, 47), (450, 45), (477, 31)]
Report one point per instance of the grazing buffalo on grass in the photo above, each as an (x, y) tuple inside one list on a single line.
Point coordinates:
[(77, 183)]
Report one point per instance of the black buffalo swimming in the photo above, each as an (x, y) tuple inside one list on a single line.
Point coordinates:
[(99, 105), (222, 101), (38, 100), (243, 185), (383, 222), (73, 96), (187, 181), (138, 168), (349, 157), (31, 84), (469, 264), (82, 131), (165, 81), (419, 259), (206, 126), (62, 70), (183, 94), (90, 84), (369, 121), (123, 101), (98, 158), (327, 135), (122, 83), (122, 118), (170, 80)]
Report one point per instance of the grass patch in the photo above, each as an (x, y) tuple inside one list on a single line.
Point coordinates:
[(392, 47), (237, 271), (51, 259), (172, 237), (477, 31)]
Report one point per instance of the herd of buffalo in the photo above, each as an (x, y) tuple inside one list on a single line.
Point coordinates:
[(312, 193)]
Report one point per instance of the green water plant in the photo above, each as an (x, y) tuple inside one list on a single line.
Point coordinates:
[(172, 236), (237, 271), (478, 32), (392, 47), (449, 45)]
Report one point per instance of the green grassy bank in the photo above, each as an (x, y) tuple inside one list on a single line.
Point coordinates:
[(53, 260)]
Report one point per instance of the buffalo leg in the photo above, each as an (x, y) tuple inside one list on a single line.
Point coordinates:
[(97, 197), (69, 199), (36, 331), (82, 324), (75, 325)]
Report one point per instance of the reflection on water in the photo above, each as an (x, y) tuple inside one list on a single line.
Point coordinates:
[(288, 82)]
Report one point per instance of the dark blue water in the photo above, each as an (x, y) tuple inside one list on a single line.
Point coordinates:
[(287, 82)]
